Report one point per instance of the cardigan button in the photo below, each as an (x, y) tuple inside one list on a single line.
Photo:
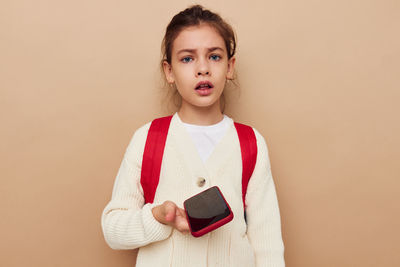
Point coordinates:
[(201, 181)]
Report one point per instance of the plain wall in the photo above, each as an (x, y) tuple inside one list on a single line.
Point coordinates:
[(319, 80)]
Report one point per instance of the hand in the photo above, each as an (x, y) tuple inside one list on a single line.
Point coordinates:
[(169, 213)]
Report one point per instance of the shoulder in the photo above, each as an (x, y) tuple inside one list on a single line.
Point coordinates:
[(260, 138), (135, 148), (139, 137), (261, 143), (262, 148), (262, 161)]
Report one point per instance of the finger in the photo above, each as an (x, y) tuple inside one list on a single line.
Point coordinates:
[(181, 212), (182, 226), (181, 223)]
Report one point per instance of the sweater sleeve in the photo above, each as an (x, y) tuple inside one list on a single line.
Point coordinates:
[(262, 212), (126, 222)]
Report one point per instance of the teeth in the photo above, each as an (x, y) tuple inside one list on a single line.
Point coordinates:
[(204, 85)]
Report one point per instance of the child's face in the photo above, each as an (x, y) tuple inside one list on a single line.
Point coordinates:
[(188, 68)]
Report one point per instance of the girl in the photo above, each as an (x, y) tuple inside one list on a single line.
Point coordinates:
[(201, 150)]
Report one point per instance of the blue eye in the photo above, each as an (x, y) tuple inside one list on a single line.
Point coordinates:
[(184, 59), (216, 57)]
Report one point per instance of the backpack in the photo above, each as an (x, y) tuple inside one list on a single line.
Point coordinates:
[(154, 150)]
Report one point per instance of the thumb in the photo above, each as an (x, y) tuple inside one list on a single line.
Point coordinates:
[(169, 212)]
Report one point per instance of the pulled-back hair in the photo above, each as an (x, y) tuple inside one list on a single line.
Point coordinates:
[(196, 15)]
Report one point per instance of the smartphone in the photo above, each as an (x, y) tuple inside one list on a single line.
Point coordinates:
[(207, 211)]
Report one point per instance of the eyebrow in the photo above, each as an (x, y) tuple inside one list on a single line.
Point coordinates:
[(194, 50)]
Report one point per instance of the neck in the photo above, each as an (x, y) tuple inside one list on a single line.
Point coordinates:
[(200, 115)]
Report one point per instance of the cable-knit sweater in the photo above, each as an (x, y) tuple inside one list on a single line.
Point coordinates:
[(128, 223)]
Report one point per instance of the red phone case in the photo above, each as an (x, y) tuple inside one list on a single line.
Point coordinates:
[(213, 226)]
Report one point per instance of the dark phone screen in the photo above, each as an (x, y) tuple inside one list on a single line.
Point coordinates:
[(206, 208)]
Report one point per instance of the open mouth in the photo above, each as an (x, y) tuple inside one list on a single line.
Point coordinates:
[(204, 85)]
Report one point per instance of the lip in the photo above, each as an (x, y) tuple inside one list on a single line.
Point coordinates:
[(204, 82)]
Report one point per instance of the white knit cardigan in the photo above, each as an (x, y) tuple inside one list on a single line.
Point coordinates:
[(128, 224)]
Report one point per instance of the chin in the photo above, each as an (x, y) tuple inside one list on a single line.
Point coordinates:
[(205, 104)]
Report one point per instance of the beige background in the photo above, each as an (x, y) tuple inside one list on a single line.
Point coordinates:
[(319, 79)]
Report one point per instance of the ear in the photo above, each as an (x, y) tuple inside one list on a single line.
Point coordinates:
[(231, 68), (168, 72)]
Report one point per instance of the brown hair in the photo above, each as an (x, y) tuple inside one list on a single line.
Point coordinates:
[(194, 16)]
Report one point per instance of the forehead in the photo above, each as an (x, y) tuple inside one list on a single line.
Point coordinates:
[(198, 37)]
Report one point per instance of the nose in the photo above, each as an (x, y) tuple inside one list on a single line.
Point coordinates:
[(203, 73), (202, 68)]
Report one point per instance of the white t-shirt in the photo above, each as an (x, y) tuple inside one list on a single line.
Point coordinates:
[(206, 137)]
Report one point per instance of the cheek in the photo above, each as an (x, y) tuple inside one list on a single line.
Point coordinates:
[(220, 67), (221, 73), (183, 75)]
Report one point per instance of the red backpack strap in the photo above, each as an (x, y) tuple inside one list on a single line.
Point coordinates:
[(248, 146), (152, 156)]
